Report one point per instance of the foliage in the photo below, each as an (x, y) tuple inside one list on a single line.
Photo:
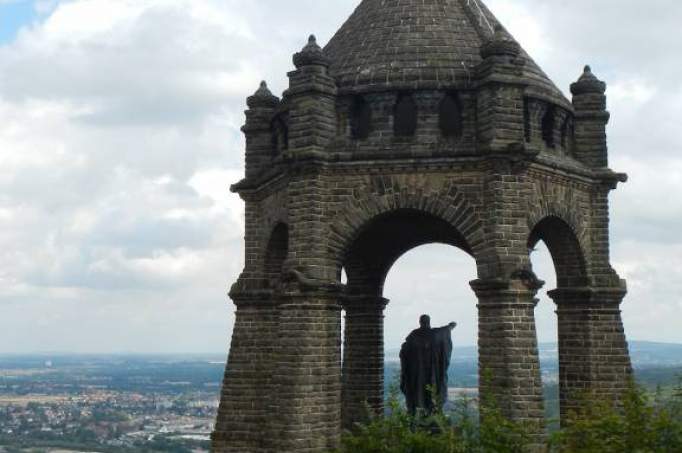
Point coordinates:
[(456, 432), (639, 424)]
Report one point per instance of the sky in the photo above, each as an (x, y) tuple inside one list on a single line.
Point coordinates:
[(119, 138)]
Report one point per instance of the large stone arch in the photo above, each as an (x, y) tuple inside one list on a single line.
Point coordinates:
[(386, 237), (386, 195), (370, 250), (542, 208)]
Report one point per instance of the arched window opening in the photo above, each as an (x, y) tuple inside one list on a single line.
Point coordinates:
[(276, 254), (548, 121), (450, 116), (548, 333), (405, 116), (280, 134), (360, 118)]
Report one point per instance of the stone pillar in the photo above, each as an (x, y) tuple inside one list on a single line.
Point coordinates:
[(594, 360), (363, 358), (509, 366), (306, 415), (246, 390)]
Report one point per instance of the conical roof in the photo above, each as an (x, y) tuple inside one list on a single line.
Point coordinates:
[(419, 43)]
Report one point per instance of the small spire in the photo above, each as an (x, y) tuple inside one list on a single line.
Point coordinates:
[(587, 75), (501, 44), (588, 83), (311, 54), (263, 97), (263, 89)]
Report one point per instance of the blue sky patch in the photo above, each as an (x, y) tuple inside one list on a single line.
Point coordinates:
[(14, 15)]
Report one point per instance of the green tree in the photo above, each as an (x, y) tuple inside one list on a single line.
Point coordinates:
[(637, 425)]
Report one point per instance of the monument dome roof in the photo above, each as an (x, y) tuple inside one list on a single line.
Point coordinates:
[(418, 44)]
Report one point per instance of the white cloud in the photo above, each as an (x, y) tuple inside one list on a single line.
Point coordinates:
[(119, 138), (632, 91), (522, 21), (110, 125), (73, 23), (654, 273)]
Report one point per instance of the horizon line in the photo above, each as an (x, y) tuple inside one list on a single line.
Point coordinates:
[(197, 353)]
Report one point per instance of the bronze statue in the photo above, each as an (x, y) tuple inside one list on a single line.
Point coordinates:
[(424, 362)]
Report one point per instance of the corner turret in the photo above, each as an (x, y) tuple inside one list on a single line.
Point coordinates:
[(591, 118), (311, 55), (262, 106), (312, 100), (501, 93)]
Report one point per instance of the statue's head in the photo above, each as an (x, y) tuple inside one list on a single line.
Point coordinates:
[(425, 321)]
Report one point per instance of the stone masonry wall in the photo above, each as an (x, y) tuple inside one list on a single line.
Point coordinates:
[(332, 209), (527, 166)]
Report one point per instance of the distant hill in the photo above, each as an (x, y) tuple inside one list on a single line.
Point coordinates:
[(651, 353), (643, 353)]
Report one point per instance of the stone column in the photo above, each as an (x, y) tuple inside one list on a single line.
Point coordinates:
[(509, 366), (246, 390), (594, 360), (306, 416), (363, 358)]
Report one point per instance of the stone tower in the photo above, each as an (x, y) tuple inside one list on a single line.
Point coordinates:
[(421, 121)]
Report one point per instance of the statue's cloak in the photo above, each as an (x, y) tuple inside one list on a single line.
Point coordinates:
[(424, 361)]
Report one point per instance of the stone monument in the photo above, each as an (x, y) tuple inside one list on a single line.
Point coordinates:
[(424, 362), (421, 121)]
